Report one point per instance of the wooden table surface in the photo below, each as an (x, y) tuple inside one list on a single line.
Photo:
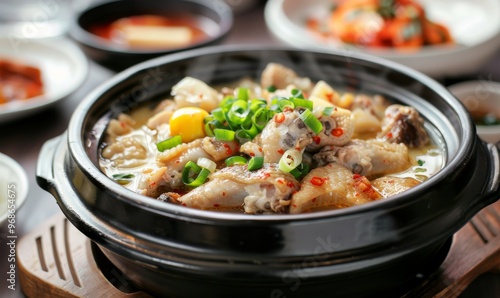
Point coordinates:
[(23, 138)]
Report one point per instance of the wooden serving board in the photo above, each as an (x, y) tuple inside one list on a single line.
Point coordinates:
[(57, 260)]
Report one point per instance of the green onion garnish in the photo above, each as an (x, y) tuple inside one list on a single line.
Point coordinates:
[(224, 134), (260, 118), (207, 164), (235, 160), (297, 93), (123, 178), (300, 171), (312, 122), (328, 111), (301, 102), (285, 103), (169, 143), (420, 162), (243, 93), (211, 125), (290, 160), (238, 112), (218, 114), (271, 88), (255, 163), (191, 170)]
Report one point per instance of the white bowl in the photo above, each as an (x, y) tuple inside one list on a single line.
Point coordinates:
[(475, 26), (63, 65), (14, 188), (480, 97)]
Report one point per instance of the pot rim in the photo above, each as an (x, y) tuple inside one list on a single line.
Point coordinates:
[(76, 143)]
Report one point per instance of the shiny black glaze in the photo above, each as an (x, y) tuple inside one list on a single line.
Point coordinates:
[(165, 247)]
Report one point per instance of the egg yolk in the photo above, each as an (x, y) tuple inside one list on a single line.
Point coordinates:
[(188, 123)]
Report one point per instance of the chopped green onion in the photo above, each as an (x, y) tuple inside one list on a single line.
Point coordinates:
[(227, 101), (235, 160), (123, 178), (297, 93), (260, 118), (285, 103), (271, 88), (243, 93), (251, 129), (420, 162), (169, 143), (300, 102), (190, 170), (300, 171), (211, 125), (242, 136), (207, 164), (290, 160), (328, 111), (255, 163), (218, 114), (312, 122), (257, 104), (420, 170), (238, 112), (224, 134)]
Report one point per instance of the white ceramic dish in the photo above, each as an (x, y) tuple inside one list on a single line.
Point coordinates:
[(481, 96), (475, 26), (63, 65), (14, 186)]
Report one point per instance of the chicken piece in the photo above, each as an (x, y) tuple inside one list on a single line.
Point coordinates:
[(117, 127), (368, 112), (389, 186), (176, 158), (253, 148), (403, 124), (286, 130), (332, 186), (191, 92), (126, 152), (267, 190), (338, 129), (279, 77), (367, 157)]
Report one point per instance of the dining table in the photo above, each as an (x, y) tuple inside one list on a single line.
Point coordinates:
[(22, 139)]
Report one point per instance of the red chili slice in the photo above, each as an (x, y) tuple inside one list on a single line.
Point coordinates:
[(280, 117), (318, 181), (337, 132)]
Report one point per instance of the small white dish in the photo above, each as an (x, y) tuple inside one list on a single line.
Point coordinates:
[(474, 25), (480, 98), (14, 186), (63, 65)]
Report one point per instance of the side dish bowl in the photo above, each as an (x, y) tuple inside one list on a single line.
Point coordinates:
[(474, 25), (14, 188), (381, 247), (214, 18), (482, 100)]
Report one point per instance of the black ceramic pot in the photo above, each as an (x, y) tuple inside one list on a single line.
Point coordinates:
[(170, 250)]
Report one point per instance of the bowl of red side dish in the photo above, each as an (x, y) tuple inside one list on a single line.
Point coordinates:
[(119, 34), (329, 210), (439, 38)]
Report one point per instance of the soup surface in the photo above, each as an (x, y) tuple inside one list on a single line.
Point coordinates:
[(279, 144)]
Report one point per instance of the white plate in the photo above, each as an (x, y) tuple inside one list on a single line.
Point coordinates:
[(475, 26), (63, 65), (14, 186)]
